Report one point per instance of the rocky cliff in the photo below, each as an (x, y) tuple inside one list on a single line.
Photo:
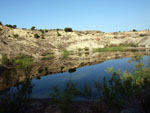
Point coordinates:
[(38, 42)]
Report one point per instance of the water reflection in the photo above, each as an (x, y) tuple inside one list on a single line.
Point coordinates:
[(87, 74), (72, 70), (14, 99)]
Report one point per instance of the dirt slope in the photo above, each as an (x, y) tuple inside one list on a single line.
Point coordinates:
[(15, 41)]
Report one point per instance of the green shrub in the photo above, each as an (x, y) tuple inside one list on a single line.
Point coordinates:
[(22, 61), (1, 29), (14, 26), (36, 36), (33, 28), (42, 31), (115, 93), (15, 35), (111, 49), (64, 100), (42, 36), (46, 30), (67, 29), (11, 26), (134, 30), (141, 35), (66, 53), (86, 49), (79, 49), (58, 34), (5, 60), (48, 56)]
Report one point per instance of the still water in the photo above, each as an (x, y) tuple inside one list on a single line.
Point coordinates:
[(82, 70), (88, 74)]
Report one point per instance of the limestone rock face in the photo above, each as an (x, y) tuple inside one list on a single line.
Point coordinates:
[(16, 41)]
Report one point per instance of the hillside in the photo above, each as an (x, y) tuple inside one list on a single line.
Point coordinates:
[(38, 42)]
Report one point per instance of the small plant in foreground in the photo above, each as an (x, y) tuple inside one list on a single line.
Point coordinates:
[(64, 101)]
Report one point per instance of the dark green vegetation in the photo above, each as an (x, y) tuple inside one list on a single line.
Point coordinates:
[(72, 70), (134, 30), (48, 56), (36, 36), (58, 34), (1, 29), (111, 48), (20, 61), (46, 30), (123, 45), (42, 31), (15, 35), (86, 49), (33, 28), (42, 36), (142, 35), (11, 26), (66, 53), (64, 100), (67, 29)]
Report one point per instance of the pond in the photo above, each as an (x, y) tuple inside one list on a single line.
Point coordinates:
[(88, 72)]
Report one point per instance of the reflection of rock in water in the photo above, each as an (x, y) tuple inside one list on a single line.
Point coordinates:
[(10, 77), (13, 101), (72, 70)]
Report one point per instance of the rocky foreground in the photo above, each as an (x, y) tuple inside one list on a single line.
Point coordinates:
[(35, 43)]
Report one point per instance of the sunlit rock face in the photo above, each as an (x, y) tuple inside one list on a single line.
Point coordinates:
[(12, 76), (26, 43)]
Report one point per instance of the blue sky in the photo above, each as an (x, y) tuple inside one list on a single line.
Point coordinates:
[(104, 15)]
